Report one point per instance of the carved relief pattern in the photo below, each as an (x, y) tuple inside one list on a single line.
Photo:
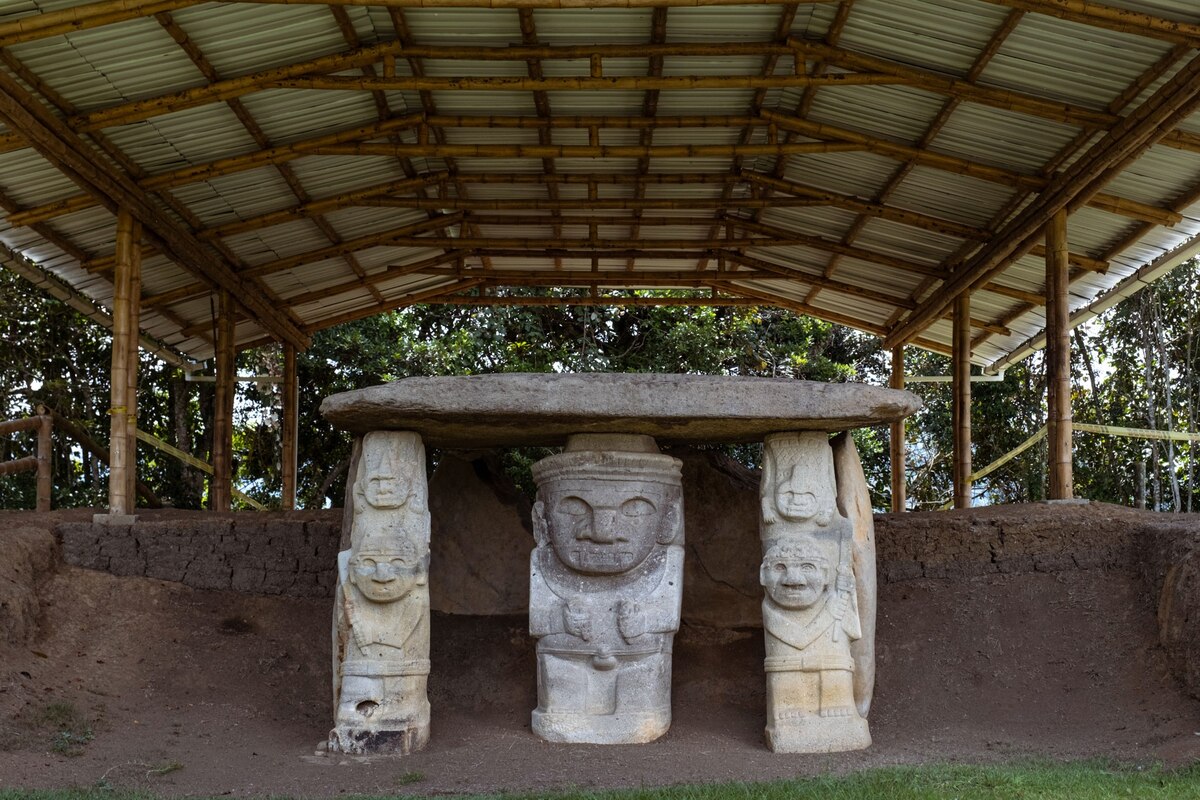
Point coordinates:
[(811, 606), (381, 610), (605, 590)]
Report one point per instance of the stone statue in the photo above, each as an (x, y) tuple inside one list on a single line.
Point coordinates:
[(381, 608), (605, 589), (813, 612)]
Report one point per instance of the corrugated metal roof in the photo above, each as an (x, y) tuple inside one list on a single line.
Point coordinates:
[(1076, 65)]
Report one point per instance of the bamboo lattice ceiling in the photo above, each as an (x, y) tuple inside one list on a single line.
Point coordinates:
[(862, 161)]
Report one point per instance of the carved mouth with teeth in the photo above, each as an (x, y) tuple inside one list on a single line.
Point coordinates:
[(597, 558)]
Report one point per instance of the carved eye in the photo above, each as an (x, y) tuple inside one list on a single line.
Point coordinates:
[(779, 566), (637, 507), (365, 566), (809, 568), (574, 507)]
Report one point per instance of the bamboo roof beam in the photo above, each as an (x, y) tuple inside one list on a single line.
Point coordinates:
[(583, 277), (541, 102), (658, 35), (571, 83), (225, 166), (1090, 12), (412, 298), (63, 148), (435, 150), (375, 278), (962, 166), (586, 254), (1174, 101), (596, 300), (586, 204), (904, 169)]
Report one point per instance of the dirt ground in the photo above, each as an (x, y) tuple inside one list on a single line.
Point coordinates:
[(193, 692)]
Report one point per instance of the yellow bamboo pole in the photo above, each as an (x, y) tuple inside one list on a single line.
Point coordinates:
[(898, 456), (132, 360), (289, 427), (219, 494), (962, 401), (620, 83), (1058, 358), (437, 150), (121, 454)]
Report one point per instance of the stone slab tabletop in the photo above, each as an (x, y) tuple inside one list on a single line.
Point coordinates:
[(512, 409)]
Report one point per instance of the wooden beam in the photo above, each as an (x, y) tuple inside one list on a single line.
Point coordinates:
[(122, 414), (897, 442), (595, 300), (132, 359), (220, 491), (620, 83), (1175, 100), (1090, 12), (962, 166), (289, 428), (63, 148), (437, 150), (45, 475), (585, 204), (961, 409), (1058, 359)]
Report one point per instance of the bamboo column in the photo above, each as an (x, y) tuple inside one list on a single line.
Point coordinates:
[(1058, 359), (132, 357), (290, 423), (962, 401), (899, 484), (44, 478), (122, 419), (220, 493)]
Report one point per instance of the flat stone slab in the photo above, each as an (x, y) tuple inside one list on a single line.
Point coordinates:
[(512, 409)]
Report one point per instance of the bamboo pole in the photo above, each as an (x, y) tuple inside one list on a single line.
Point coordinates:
[(585, 204), (27, 464), (962, 402), (1174, 100), (290, 427), (220, 487), (133, 361), (122, 447), (44, 475), (569, 83), (1089, 12), (898, 456), (1058, 355), (947, 163), (437, 150)]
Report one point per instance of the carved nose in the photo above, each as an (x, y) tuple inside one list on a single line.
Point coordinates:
[(384, 572), (604, 527), (794, 577)]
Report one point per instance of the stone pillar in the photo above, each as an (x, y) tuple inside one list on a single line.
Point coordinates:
[(816, 545), (381, 608), (606, 581)]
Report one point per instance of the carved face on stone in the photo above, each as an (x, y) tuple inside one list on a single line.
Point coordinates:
[(604, 526), (794, 499), (795, 577), (387, 575), (798, 477), (386, 478)]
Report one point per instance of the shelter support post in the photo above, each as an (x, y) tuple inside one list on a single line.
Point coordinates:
[(220, 495), (290, 423), (962, 401), (122, 477), (899, 484), (44, 479), (1058, 359)]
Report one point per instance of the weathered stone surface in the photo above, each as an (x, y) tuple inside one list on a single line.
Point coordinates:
[(605, 590), (381, 610), (529, 409), (480, 545), (811, 612), (720, 573)]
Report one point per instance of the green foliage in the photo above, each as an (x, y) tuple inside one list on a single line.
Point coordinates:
[(70, 731)]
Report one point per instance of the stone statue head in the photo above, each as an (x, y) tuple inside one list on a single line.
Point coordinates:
[(388, 573), (796, 573), (386, 475), (798, 483), (603, 512)]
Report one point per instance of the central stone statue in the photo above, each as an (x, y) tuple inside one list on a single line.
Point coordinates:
[(606, 580)]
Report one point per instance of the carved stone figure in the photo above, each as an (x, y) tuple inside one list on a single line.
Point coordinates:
[(605, 589), (814, 604), (381, 609)]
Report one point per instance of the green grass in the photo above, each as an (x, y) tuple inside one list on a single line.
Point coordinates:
[(71, 731), (1024, 781)]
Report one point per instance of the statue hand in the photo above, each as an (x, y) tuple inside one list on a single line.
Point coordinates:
[(578, 623), (630, 619)]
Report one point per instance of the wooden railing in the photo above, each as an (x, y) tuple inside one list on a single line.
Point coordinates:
[(43, 423)]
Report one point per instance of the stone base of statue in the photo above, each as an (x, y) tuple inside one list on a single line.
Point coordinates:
[(631, 727), (372, 742), (811, 733)]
